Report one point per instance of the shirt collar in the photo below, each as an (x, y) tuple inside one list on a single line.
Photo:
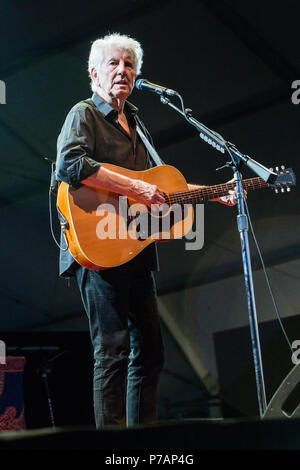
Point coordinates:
[(108, 111)]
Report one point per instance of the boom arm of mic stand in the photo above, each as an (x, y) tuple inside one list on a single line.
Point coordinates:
[(220, 144), (209, 136)]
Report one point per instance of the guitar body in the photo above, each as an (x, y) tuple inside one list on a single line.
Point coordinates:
[(106, 230)]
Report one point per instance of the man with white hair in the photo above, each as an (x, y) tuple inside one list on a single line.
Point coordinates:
[(120, 302)]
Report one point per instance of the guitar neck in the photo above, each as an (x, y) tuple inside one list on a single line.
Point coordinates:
[(195, 196)]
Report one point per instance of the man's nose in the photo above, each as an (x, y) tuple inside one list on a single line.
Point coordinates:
[(121, 67)]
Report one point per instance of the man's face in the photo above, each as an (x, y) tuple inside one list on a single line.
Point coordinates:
[(116, 75)]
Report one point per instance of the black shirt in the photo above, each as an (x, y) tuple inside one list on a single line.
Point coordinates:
[(91, 134)]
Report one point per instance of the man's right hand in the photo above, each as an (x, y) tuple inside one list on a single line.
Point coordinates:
[(146, 193)]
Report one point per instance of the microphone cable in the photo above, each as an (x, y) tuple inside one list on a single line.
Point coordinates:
[(53, 188), (266, 276)]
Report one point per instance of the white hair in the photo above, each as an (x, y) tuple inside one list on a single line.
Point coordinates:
[(121, 42)]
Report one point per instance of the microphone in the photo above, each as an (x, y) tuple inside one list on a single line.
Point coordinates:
[(142, 84)]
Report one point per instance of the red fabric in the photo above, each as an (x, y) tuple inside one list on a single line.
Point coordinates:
[(11, 394)]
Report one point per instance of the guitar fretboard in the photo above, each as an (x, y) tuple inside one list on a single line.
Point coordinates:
[(195, 196)]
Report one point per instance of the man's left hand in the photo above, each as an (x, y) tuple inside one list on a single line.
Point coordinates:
[(231, 198)]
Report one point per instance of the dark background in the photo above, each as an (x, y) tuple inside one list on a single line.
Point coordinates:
[(234, 64)]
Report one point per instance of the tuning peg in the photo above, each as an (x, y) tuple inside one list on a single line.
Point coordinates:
[(276, 191), (277, 168), (288, 189), (271, 169), (282, 190), (282, 167)]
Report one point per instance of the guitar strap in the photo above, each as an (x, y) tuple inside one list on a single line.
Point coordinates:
[(155, 157)]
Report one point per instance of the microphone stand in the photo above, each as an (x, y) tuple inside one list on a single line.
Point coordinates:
[(237, 160)]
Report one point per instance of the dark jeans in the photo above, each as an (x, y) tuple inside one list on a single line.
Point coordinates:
[(125, 331)]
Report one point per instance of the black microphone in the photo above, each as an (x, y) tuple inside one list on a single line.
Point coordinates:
[(143, 84)]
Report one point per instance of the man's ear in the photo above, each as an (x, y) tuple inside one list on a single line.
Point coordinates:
[(95, 76)]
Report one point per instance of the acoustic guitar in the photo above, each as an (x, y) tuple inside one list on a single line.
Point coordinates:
[(104, 229)]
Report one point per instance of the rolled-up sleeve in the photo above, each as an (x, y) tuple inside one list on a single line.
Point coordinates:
[(75, 148)]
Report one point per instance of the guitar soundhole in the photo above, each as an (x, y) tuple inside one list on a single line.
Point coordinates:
[(152, 224)]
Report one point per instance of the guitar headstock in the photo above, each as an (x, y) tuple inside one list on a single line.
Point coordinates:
[(286, 179)]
